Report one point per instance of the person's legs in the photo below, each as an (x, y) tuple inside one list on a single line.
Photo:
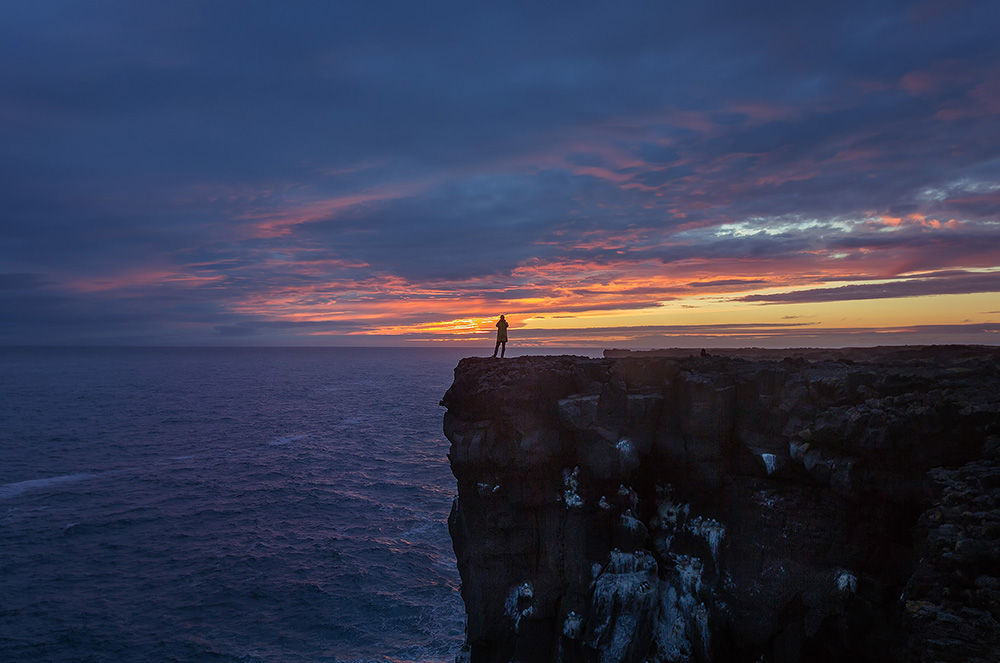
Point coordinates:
[(503, 348), (496, 348)]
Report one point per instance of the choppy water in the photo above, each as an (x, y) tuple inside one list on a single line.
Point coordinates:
[(225, 505)]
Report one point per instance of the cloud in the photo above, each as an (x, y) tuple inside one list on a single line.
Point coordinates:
[(170, 173), (946, 284), (764, 334), (718, 283), (22, 281)]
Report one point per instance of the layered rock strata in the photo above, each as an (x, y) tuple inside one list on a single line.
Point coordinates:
[(670, 508)]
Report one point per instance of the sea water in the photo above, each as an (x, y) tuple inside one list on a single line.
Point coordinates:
[(237, 504)]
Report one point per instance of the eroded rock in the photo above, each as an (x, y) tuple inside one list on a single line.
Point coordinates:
[(821, 507)]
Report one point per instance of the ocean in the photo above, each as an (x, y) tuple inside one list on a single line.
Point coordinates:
[(226, 504)]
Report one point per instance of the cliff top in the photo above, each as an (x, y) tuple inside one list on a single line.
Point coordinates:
[(881, 353)]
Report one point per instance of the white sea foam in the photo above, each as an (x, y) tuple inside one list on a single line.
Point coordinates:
[(9, 490)]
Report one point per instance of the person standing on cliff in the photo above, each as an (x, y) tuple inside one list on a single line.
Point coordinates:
[(501, 337)]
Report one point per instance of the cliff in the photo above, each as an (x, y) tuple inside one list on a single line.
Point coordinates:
[(826, 507)]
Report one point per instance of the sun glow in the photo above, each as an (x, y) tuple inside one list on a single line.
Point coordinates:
[(457, 327)]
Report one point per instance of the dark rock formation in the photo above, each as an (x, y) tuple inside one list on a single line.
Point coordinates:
[(834, 507)]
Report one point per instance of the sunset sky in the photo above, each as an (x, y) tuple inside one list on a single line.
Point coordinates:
[(623, 174)]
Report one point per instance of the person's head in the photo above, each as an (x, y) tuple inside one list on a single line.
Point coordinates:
[(501, 317)]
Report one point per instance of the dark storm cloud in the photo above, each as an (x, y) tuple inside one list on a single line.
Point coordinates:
[(258, 327), (49, 314), (475, 226), (185, 165), (946, 284)]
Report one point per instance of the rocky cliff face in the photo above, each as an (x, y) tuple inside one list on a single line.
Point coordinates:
[(723, 509)]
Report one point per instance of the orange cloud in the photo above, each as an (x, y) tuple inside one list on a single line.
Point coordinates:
[(140, 279), (268, 221)]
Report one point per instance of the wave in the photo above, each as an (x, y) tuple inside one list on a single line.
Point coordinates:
[(286, 439), (324, 514), (9, 490)]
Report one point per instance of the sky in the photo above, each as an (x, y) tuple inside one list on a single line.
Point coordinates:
[(627, 174)]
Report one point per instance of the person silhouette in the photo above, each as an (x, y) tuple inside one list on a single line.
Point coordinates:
[(501, 337)]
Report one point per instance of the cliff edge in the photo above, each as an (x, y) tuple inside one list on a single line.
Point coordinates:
[(839, 507)]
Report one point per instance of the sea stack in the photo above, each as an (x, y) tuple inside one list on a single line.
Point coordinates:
[(729, 506)]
